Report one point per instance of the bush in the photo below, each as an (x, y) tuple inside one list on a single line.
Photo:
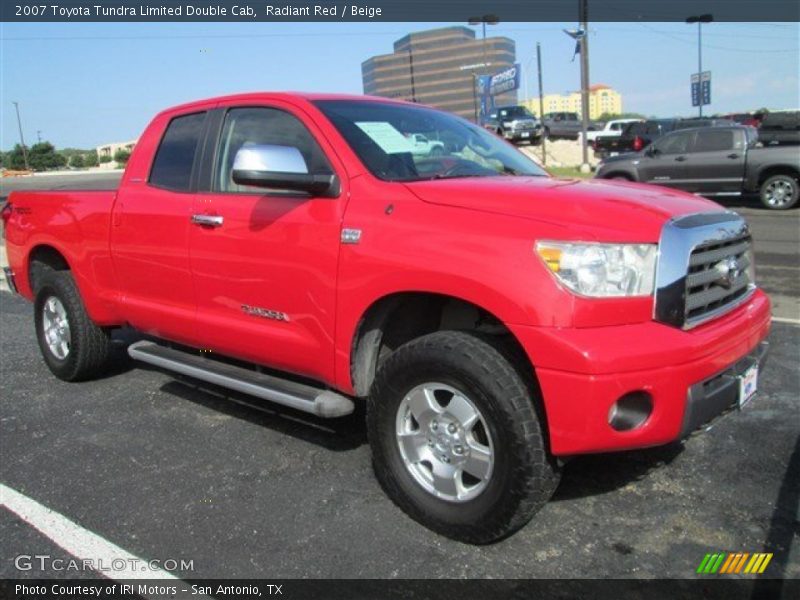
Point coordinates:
[(77, 161), (122, 156), (104, 159)]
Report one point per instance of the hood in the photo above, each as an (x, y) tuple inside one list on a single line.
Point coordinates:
[(595, 209)]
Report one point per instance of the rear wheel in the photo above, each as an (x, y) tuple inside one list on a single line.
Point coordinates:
[(73, 347), (779, 192), (456, 440)]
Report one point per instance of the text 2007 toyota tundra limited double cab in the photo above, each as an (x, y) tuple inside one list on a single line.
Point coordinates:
[(493, 320)]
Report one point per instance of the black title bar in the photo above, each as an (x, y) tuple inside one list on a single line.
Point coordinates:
[(392, 10)]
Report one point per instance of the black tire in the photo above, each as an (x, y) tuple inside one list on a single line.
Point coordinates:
[(89, 345), (524, 475), (787, 199)]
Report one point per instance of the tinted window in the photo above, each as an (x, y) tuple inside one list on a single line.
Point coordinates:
[(713, 140), (263, 126), (172, 167), (676, 143)]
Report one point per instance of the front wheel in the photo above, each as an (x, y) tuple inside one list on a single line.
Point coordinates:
[(779, 192), (456, 440)]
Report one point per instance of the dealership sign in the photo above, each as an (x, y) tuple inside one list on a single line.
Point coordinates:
[(504, 81)]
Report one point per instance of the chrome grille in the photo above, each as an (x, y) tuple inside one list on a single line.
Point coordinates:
[(718, 276), (703, 269)]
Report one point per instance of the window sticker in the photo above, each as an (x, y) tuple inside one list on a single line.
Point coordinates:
[(386, 136)]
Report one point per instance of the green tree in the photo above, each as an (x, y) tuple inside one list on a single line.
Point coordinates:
[(43, 156), (104, 159), (15, 159), (90, 159), (122, 156), (77, 161)]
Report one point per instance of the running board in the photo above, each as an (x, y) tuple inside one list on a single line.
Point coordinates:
[(317, 401)]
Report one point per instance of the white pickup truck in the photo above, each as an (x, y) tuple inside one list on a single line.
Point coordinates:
[(612, 129)]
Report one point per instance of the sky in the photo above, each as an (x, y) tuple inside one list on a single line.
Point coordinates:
[(85, 84)]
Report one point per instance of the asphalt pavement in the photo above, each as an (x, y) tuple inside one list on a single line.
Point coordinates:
[(166, 469)]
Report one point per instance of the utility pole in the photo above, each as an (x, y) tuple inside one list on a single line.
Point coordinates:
[(21, 138), (411, 73), (483, 20), (39, 136), (584, 42), (541, 100)]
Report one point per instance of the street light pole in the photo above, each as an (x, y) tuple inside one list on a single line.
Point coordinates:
[(483, 20), (21, 138), (700, 19)]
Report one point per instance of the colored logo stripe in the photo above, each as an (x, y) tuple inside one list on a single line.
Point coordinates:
[(734, 563)]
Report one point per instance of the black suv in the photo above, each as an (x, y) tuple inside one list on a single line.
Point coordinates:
[(780, 128), (514, 123)]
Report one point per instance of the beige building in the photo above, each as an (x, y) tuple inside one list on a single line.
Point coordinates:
[(602, 100), (110, 149)]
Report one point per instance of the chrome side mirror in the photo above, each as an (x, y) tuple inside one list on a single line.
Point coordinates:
[(280, 167)]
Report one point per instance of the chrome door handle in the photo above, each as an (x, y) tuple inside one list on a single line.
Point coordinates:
[(207, 220)]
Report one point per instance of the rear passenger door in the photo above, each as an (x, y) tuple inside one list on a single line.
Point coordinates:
[(716, 162), (150, 230)]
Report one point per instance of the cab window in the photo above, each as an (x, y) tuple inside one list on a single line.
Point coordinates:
[(714, 140), (677, 143), (172, 166), (261, 125)]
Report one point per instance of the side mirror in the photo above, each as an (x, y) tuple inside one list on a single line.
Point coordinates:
[(280, 167)]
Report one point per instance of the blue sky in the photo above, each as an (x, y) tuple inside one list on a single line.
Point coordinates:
[(86, 84)]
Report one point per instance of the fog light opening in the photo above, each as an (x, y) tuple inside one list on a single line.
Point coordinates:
[(630, 411)]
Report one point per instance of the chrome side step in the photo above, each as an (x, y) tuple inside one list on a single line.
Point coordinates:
[(317, 401)]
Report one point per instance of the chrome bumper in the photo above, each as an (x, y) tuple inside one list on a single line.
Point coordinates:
[(9, 275)]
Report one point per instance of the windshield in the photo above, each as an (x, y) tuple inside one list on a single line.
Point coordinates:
[(414, 143), (515, 112)]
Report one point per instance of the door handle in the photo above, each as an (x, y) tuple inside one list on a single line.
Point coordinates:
[(207, 220), (733, 155), (680, 159)]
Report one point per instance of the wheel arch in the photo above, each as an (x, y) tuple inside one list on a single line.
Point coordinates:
[(773, 170), (400, 317)]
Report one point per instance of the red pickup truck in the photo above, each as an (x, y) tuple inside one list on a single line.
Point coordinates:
[(493, 320)]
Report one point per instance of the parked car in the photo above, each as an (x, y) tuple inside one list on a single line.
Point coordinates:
[(720, 161), (780, 128), (472, 304), (611, 129), (514, 123), (636, 136), (567, 125), (421, 145)]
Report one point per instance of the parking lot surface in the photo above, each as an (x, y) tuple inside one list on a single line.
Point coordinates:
[(169, 470)]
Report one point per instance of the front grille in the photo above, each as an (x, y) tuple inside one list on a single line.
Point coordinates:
[(703, 269), (718, 276)]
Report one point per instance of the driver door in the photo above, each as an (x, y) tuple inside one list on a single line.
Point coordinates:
[(665, 161), (264, 261)]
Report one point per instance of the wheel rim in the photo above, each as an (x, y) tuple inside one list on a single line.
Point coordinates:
[(778, 193), (55, 326), (444, 442)]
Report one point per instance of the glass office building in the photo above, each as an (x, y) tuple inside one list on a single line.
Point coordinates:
[(438, 67)]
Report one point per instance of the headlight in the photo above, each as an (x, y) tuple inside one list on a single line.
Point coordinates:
[(602, 270)]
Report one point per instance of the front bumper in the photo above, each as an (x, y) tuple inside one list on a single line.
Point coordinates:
[(520, 136), (9, 276), (582, 373)]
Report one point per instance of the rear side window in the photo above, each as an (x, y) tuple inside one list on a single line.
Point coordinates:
[(713, 140), (172, 166)]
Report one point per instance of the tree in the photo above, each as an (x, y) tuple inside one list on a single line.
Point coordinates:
[(15, 159), (77, 161), (122, 156), (626, 115), (42, 156), (90, 160), (104, 159)]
